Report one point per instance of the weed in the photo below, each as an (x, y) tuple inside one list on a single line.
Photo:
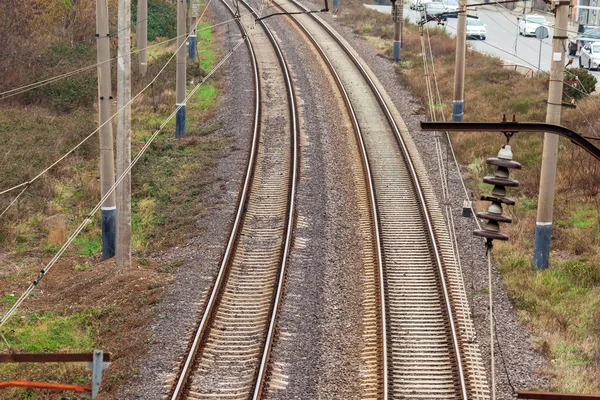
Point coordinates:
[(89, 244)]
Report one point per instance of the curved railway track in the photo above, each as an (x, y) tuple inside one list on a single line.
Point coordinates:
[(427, 347), (230, 348)]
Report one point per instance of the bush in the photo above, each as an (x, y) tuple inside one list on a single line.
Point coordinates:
[(587, 84), (162, 19)]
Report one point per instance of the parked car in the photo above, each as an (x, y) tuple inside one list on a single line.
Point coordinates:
[(419, 4), (585, 34), (476, 29), (435, 10), (451, 7), (529, 23), (590, 56)]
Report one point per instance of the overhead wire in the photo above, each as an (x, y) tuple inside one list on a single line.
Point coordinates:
[(28, 183), (87, 219), (93, 132), (31, 86)]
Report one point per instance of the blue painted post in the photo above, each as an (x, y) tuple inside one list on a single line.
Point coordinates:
[(193, 42), (541, 245), (109, 231), (180, 121), (192, 49), (457, 110)]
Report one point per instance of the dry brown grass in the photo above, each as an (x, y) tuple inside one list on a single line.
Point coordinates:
[(57, 231)]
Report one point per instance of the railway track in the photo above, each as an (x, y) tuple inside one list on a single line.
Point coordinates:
[(229, 350), (426, 345)]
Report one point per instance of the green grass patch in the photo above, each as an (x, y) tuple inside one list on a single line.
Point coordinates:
[(51, 332), (89, 244)]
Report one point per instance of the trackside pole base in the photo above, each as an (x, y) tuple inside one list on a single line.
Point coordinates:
[(396, 51), (467, 208), (109, 231), (180, 122), (192, 49), (541, 245), (457, 110)]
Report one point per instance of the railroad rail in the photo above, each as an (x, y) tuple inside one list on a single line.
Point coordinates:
[(228, 354), (426, 351)]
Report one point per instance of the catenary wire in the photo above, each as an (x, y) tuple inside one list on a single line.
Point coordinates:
[(87, 220), (26, 185), (29, 182), (31, 86)]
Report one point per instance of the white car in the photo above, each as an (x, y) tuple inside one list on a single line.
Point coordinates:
[(451, 6), (529, 23), (590, 56), (476, 29)]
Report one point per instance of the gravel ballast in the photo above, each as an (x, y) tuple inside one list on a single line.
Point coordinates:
[(320, 321)]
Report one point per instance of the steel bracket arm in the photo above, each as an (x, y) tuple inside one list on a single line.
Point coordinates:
[(514, 127)]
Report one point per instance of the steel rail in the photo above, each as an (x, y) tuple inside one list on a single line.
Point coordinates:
[(184, 374), (372, 201), (260, 379), (239, 215), (418, 188)]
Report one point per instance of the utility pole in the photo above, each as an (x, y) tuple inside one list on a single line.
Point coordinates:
[(107, 160), (194, 5), (141, 31), (458, 103), (543, 226), (180, 75), (124, 135), (398, 16)]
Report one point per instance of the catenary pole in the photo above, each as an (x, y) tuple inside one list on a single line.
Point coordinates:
[(181, 72), (141, 31), (107, 160), (458, 104), (123, 191), (543, 227), (194, 5), (398, 16)]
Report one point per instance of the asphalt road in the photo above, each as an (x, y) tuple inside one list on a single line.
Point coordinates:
[(503, 39)]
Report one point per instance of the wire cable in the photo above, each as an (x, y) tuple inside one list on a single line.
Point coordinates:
[(88, 219), (29, 182), (31, 86)]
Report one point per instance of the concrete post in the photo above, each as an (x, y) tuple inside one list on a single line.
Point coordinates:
[(543, 227), (107, 160), (124, 135), (194, 5), (398, 17), (142, 35), (181, 70), (459, 66)]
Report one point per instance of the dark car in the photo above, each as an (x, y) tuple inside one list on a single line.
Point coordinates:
[(435, 10)]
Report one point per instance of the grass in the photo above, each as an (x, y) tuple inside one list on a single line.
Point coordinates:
[(169, 184), (561, 305), (51, 332)]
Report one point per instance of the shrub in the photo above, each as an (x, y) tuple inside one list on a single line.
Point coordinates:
[(162, 18), (587, 84)]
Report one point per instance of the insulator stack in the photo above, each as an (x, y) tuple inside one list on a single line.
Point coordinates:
[(500, 180)]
